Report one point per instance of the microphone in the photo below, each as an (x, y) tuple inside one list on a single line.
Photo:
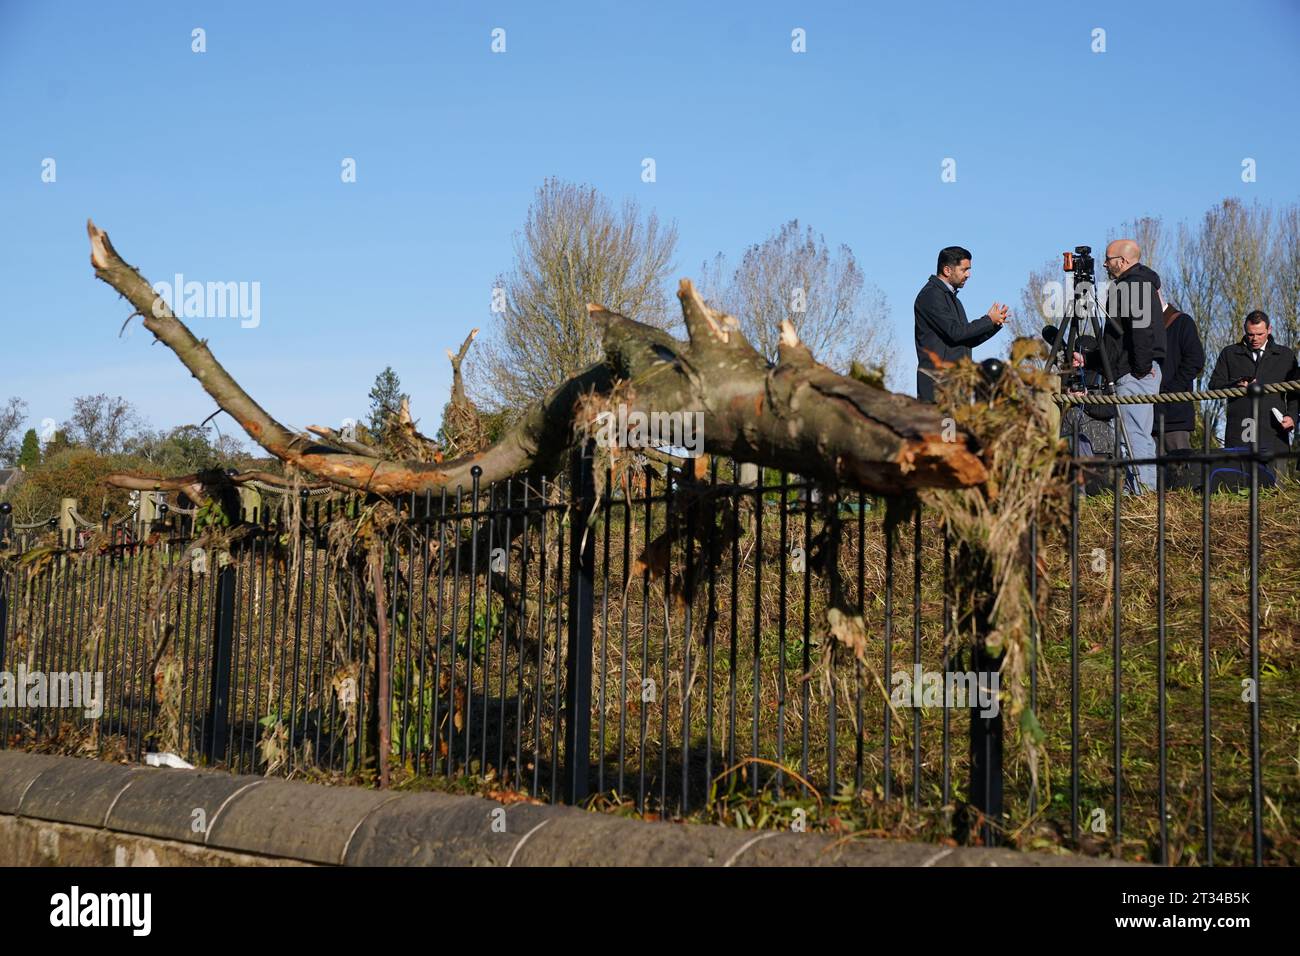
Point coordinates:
[(1062, 357), (1084, 343)]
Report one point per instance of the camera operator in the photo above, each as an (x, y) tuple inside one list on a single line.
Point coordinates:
[(1134, 342)]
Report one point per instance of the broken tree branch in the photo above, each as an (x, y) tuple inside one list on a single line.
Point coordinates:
[(797, 416), (458, 396)]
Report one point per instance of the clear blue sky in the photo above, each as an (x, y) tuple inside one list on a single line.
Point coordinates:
[(226, 165)]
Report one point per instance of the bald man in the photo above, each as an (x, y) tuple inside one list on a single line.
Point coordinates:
[(1134, 341)]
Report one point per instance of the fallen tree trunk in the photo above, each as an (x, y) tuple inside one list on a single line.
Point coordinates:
[(796, 415)]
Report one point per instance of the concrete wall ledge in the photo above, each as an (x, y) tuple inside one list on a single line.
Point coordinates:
[(72, 811)]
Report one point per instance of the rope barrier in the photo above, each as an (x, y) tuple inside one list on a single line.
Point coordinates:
[(1167, 397), (37, 524), (76, 516), (285, 490)]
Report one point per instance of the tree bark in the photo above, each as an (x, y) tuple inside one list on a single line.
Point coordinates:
[(797, 416)]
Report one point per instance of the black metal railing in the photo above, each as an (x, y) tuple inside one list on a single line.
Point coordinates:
[(658, 633)]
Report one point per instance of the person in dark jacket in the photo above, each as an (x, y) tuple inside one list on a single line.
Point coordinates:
[(1183, 364), (1133, 344), (1257, 358), (941, 326)]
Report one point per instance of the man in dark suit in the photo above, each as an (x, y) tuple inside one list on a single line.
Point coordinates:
[(1257, 358), (941, 326), (1182, 365)]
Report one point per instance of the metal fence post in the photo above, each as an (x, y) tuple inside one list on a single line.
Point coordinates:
[(582, 565), (223, 631), (6, 579), (67, 523), (986, 745)]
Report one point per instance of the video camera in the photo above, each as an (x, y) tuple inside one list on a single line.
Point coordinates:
[(1081, 313), (1070, 337), (1081, 263)]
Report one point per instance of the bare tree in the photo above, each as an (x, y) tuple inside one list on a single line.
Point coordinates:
[(101, 423), (1042, 302), (1235, 246), (1284, 262), (1189, 284), (574, 249), (792, 275), (1150, 235), (12, 417), (1219, 271)]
